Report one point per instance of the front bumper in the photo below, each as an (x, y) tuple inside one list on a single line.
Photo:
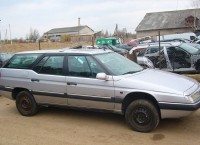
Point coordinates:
[(179, 106)]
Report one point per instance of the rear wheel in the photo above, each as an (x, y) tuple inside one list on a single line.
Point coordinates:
[(26, 104), (142, 115)]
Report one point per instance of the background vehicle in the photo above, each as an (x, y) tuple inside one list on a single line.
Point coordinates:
[(4, 57), (174, 56), (115, 49), (110, 40), (105, 47), (124, 46), (177, 40)]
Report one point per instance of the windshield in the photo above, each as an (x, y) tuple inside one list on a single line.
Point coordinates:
[(189, 48), (118, 64)]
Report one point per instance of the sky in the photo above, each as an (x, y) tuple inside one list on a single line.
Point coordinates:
[(43, 15)]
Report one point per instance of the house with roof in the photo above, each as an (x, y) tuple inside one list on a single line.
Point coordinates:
[(73, 34), (169, 22)]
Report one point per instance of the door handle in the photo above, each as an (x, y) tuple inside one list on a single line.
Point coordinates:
[(35, 80), (71, 83)]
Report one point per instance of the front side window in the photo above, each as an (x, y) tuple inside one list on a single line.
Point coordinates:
[(52, 65), (22, 61), (83, 66)]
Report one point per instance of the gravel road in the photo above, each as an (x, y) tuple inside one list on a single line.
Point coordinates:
[(53, 126)]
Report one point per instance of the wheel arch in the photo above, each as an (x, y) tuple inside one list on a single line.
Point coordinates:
[(138, 95), (16, 91)]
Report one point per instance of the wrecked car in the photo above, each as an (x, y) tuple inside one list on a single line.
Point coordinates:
[(172, 56)]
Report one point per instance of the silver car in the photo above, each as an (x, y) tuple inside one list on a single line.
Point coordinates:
[(97, 80)]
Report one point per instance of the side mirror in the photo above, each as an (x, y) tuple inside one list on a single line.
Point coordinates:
[(102, 76)]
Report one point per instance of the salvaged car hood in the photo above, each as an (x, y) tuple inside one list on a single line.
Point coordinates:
[(156, 80)]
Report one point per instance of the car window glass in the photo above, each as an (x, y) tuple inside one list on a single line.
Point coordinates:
[(22, 61), (78, 66), (40, 64), (52, 65), (94, 66), (141, 52), (153, 49)]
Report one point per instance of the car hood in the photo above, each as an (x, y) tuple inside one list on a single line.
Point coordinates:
[(156, 80)]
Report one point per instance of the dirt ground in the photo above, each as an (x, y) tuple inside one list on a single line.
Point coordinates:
[(52, 126)]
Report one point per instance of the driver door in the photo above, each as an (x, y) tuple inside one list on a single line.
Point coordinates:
[(83, 89)]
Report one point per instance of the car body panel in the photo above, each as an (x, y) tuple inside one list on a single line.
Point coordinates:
[(90, 93)]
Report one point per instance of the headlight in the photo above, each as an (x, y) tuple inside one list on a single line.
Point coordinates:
[(189, 99), (196, 96), (193, 98)]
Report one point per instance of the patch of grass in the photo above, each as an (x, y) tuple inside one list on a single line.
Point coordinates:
[(18, 47), (194, 76)]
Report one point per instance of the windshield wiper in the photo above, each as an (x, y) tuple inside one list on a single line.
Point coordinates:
[(130, 72)]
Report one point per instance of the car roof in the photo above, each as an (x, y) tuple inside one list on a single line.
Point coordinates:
[(146, 45), (157, 44), (67, 50)]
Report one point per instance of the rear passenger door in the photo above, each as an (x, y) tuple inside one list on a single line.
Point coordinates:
[(48, 80), (83, 89)]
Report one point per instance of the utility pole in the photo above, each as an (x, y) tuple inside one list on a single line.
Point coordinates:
[(5, 38), (10, 35)]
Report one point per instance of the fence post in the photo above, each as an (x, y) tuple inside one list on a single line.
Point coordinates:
[(39, 44), (159, 49)]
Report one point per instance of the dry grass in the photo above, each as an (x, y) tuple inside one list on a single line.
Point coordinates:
[(17, 47), (194, 76)]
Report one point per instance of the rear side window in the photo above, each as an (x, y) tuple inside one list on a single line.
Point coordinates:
[(22, 61), (52, 65)]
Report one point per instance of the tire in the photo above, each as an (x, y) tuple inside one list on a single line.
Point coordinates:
[(26, 104), (142, 116), (198, 69)]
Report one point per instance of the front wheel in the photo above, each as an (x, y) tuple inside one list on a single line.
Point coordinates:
[(26, 104), (142, 115)]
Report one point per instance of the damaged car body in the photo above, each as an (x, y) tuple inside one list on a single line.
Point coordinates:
[(174, 57)]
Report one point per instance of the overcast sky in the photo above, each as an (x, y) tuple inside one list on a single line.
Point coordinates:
[(44, 15)]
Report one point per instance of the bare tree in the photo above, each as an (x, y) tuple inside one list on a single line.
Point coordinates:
[(195, 3), (193, 22), (33, 35)]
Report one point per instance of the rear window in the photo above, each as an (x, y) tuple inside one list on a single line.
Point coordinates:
[(22, 61)]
